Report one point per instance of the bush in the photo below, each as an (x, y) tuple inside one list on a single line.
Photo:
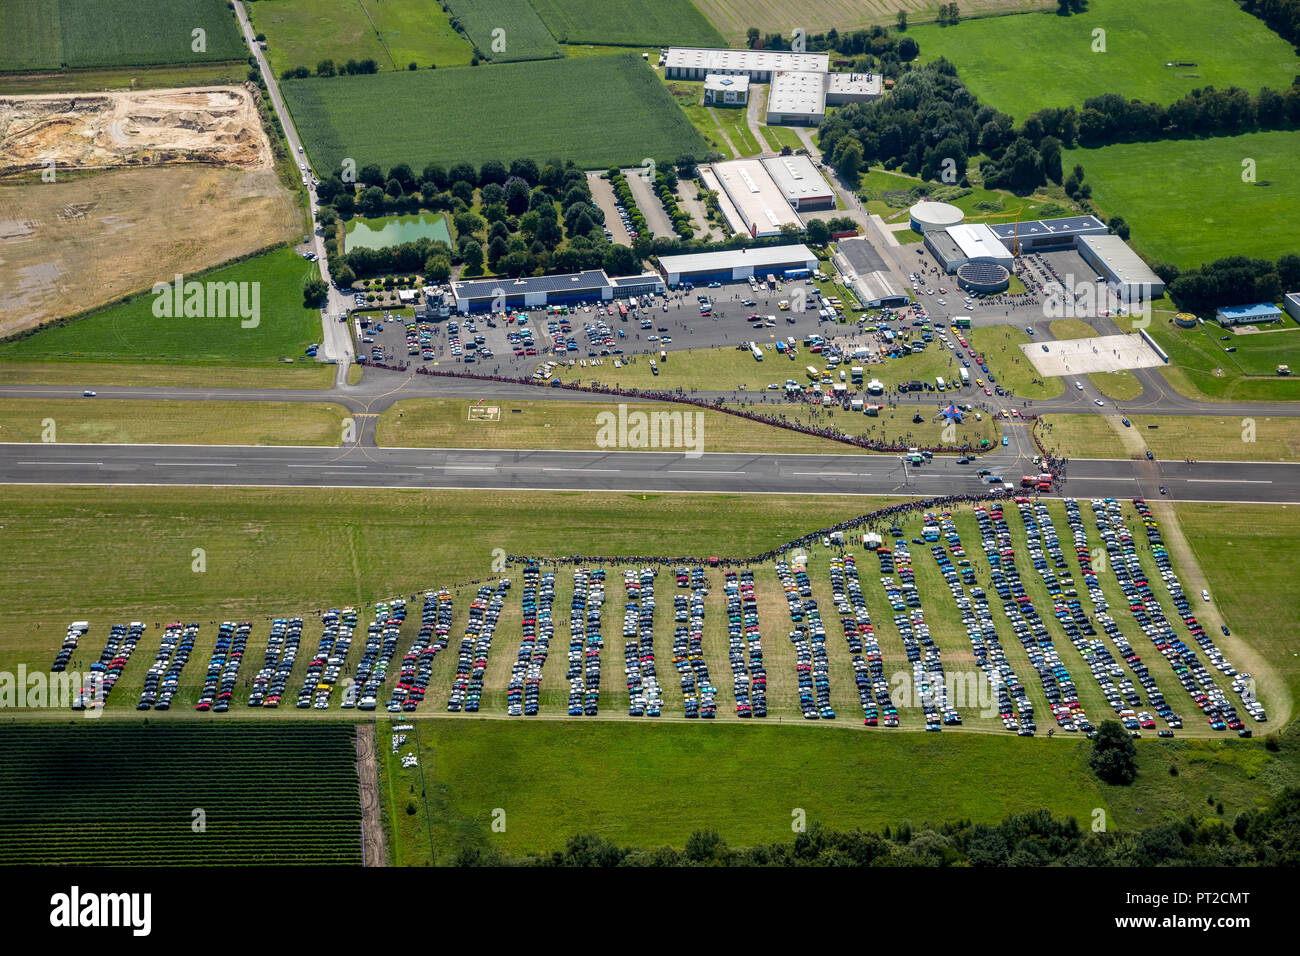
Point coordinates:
[(1114, 755)]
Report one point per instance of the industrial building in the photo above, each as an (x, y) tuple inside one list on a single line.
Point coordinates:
[(760, 205), (485, 295), (721, 89), (796, 98), (1292, 305), (696, 63), (1121, 267), (929, 216), (1048, 234), (800, 182), (732, 264), (868, 275), (845, 88), (968, 242), (647, 283), (1255, 314)]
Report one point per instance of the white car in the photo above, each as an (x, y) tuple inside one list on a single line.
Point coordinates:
[(1079, 386), (1098, 402), (1205, 595)]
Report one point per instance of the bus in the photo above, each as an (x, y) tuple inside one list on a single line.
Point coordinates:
[(758, 352), (962, 323), (622, 311)]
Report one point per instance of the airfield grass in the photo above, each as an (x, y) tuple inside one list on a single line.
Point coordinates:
[(781, 136), (1199, 368), (1000, 344), (1186, 202), (444, 423), (307, 374), (537, 109), (1019, 64), (49, 34), (715, 124), (393, 33), (629, 23), (504, 30), (1204, 437), (171, 422), (894, 424), (131, 333)]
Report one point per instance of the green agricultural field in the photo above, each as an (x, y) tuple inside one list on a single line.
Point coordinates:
[(111, 795), (170, 423), (1000, 344), (1200, 368), (131, 333), (415, 31), (504, 30), (1186, 200), (1204, 437), (541, 109), (49, 34), (1024, 63), (628, 23)]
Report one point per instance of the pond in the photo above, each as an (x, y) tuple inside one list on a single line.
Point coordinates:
[(395, 230)]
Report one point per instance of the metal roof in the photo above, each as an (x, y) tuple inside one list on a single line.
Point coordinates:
[(592, 280), (763, 257)]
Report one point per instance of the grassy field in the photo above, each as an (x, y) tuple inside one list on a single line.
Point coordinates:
[(534, 109), (171, 423), (131, 333), (1015, 64), (629, 23), (734, 17), (49, 34), (225, 73), (885, 193), (504, 30), (897, 425), (1186, 201), (1000, 344), (306, 374), (1200, 368), (71, 796), (1194, 436), (393, 33)]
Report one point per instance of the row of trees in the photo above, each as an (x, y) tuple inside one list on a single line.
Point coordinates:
[(327, 68), (876, 42), (1266, 837), (1231, 281)]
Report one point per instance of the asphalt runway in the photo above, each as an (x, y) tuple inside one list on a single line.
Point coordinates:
[(359, 466)]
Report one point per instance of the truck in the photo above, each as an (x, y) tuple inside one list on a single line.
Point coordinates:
[(812, 373), (962, 323), (855, 373), (965, 376), (939, 383)]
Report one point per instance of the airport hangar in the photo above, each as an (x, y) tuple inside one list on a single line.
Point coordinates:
[(1121, 268), (968, 242), (534, 292), (868, 274), (733, 264)]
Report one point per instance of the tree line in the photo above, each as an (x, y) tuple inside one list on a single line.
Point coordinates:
[(1235, 280)]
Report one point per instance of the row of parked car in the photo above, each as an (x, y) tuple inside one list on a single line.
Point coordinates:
[(585, 642), (162, 680), (417, 665), (645, 697), (381, 644), (860, 635), (523, 692), (326, 666), (76, 630), (223, 667), (698, 692), (812, 668), (121, 644), (475, 646), (272, 678), (748, 676), (930, 687)]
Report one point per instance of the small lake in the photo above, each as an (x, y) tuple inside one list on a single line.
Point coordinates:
[(395, 230)]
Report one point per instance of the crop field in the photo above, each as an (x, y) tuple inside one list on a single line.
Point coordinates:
[(393, 33), (540, 109), (170, 422), (50, 34), (1187, 201), (628, 23), (504, 30), (131, 333), (734, 17), (113, 795), (1026, 63)]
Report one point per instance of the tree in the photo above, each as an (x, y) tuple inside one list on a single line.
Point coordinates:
[(517, 195), (472, 254), (372, 201), (437, 268), (620, 261), (325, 68), (371, 175), (818, 232), (902, 19), (1050, 150), (848, 160), (751, 37), (908, 50), (1119, 227), (344, 276), (1114, 755), (313, 291), (492, 171)]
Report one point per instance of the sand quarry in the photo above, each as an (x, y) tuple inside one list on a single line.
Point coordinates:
[(143, 185)]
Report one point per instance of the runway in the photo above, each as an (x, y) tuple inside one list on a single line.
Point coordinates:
[(618, 471)]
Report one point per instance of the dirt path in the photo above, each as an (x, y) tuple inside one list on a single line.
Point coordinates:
[(1269, 687), (373, 851)]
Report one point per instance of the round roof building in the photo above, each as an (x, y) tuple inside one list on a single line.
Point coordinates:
[(986, 278), (930, 216)]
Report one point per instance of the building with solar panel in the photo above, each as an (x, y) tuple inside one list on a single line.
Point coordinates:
[(1048, 235), (533, 292)]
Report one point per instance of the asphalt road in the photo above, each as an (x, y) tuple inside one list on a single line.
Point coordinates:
[(358, 466)]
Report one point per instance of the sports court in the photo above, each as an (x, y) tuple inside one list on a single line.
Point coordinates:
[(1103, 353)]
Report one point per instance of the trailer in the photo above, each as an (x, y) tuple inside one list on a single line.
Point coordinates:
[(757, 352)]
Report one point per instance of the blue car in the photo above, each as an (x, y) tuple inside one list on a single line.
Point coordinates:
[(1004, 441)]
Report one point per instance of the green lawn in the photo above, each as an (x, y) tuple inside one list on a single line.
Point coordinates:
[(713, 122), (1186, 201), (50, 34), (539, 109), (116, 421), (1200, 368), (505, 30), (393, 33), (886, 194), (1000, 344), (131, 333), (1019, 64), (307, 373), (1230, 438), (628, 23)]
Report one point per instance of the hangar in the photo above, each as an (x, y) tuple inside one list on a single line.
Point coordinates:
[(800, 182), (1292, 305), (868, 274), (734, 264), (969, 242), (1121, 267), (483, 295), (1248, 314), (1048, 234), (796, 98)]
